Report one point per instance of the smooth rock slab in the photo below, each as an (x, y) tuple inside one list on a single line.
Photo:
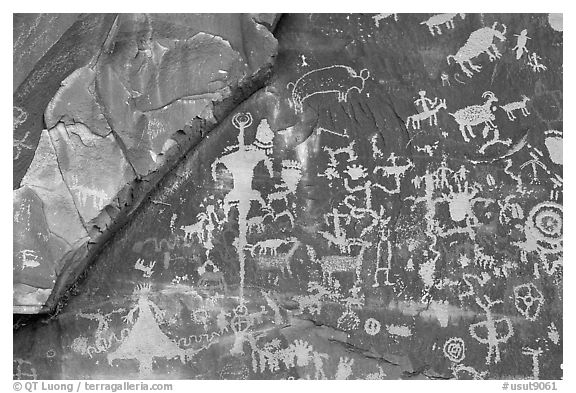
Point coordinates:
[(93, 167)]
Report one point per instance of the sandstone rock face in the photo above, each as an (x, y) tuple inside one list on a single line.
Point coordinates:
[(122, 97), (388, 205)]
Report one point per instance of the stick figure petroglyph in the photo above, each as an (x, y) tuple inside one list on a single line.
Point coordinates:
[(395, 171), (423, 101), (429, 113), (535, 354), (445, 78), (534, 62), (492, 332)]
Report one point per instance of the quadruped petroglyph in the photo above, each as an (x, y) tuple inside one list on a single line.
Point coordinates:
[(312, 196)]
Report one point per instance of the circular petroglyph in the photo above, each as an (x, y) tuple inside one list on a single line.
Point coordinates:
[(372, 326), (546, 221), (556, 21), (454, 349)]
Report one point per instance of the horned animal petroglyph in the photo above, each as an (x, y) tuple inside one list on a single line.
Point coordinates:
[(480, 41), (511, 107), (475, 114)]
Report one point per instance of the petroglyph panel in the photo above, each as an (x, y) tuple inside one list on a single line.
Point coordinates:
[(388, 206)]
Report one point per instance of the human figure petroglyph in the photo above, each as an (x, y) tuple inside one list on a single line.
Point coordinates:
[(520, 46), (535, 354), (339, 237), (431, 115), (424, 101), (435, 22), (511, 107), (445, 78), (241, 164), (203, 228), (339, 79), (475, 114), (383, 238), (492, 332), (480, 41), (394, 170), (534, 62)]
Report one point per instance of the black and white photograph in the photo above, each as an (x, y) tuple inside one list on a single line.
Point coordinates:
[(287, 196)]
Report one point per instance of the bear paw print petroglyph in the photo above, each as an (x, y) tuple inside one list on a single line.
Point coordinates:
[(528, 300)]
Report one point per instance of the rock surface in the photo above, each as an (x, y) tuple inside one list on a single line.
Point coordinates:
[(135, 94), (388, 206)]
